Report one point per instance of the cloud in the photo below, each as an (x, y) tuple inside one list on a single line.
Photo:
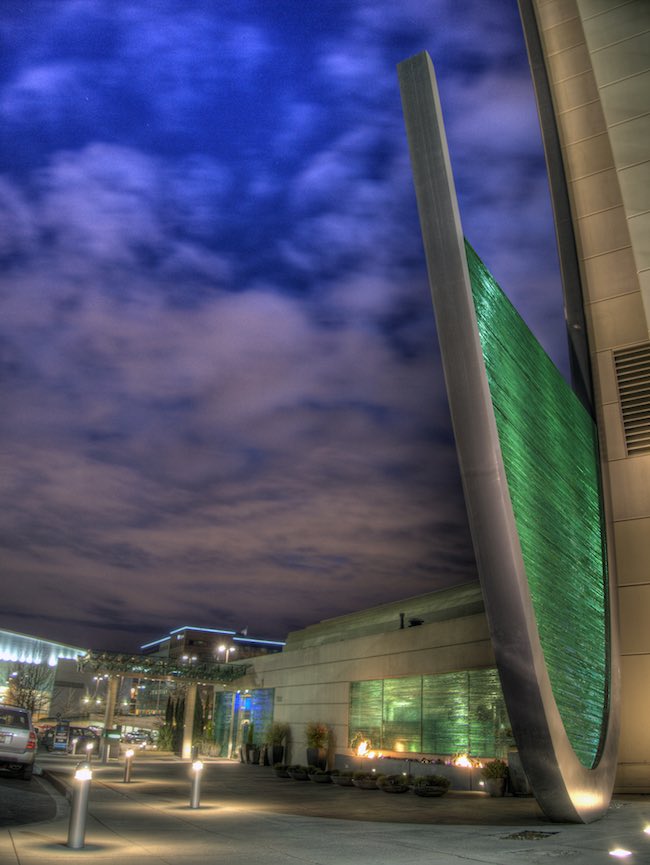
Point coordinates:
[(220, 374)]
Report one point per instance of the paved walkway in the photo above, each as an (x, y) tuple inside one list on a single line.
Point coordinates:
[(247, 816)]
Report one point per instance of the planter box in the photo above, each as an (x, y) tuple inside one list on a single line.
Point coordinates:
[(430, 791), (342, 780), (461, 777), (365, 783)]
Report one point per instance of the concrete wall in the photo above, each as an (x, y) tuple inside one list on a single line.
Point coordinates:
[(312, 682), (597, 53)]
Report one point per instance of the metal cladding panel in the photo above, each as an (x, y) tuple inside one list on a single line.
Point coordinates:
[(541, 562)]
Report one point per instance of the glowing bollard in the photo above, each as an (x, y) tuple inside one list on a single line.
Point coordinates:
[(79, 809), (75, 742), (195, 795), (128, 760), (89, 752)]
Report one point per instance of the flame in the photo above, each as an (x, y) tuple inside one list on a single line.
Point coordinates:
[(466, 760), (364, 751)]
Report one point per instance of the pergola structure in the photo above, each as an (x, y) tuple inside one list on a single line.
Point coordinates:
[(116, 666)]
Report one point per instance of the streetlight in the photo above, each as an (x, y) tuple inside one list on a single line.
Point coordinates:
[(227, 650)]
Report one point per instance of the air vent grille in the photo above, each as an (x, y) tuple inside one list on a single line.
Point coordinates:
[(633, 377)]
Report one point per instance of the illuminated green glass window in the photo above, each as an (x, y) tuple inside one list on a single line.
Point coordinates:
[(444, 714), (366, 710), (402, 714), (549, 447)]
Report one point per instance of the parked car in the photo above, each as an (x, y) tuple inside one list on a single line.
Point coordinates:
[(85, 738), (78, 738), (17, 741), (139, 739)]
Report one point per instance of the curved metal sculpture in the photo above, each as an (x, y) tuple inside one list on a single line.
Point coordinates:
[(546, 585)]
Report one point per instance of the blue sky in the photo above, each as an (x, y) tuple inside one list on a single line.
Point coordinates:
[(221, 390)]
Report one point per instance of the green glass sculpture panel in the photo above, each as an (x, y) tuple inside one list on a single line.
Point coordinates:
[(549, 448), (445, 714)]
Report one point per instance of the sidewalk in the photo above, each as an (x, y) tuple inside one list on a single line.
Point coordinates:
[(247, 816)]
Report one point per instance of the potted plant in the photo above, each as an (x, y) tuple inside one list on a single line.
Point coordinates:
[(495, 773), (319, 776), (365, 780), (252, 748), (248, 745), (430, 785), (298, 773), (393, 783), (274, 741), (317, 736), (342, 777), (280, 770)]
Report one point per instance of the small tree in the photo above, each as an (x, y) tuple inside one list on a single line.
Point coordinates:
[(30, 686)]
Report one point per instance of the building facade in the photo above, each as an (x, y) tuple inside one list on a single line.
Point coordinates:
[(591, 69), (415, 677)]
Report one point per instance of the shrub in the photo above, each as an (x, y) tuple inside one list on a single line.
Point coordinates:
[(395, 781), (277, 733), (495, 769), (317, 734), (431, 781)]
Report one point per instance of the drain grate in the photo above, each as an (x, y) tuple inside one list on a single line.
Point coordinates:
[(527, 835), (633, 378)]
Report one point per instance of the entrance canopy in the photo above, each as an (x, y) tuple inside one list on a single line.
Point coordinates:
[(155, 667)]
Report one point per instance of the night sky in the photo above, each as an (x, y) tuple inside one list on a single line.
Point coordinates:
[(220, 389)]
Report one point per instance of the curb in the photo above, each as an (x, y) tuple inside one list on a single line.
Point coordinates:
[(58, 783)]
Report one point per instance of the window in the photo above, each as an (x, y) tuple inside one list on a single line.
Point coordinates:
[(444, 714)]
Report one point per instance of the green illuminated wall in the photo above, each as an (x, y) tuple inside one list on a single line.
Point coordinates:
[(444, 714), (548, 443)]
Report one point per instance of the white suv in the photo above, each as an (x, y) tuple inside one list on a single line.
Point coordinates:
[(17, 741)]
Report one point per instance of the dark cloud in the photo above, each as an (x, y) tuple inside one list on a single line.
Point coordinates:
[(222, 401)]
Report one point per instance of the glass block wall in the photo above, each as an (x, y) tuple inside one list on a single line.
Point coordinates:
[(255, 706), (222, 714), (549, 447), (443, 714)]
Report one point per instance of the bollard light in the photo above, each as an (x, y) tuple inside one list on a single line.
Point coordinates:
[(128, 760), (195, 795), (84, 773), (79, 809), (89, 751), (75, 742)]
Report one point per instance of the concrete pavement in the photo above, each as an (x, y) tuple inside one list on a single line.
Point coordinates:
[(247, 816)]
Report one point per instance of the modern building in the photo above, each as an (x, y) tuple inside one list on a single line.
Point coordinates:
[(591, 70), (415, 677), (59, 685), (557, 481), (215, 645)]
